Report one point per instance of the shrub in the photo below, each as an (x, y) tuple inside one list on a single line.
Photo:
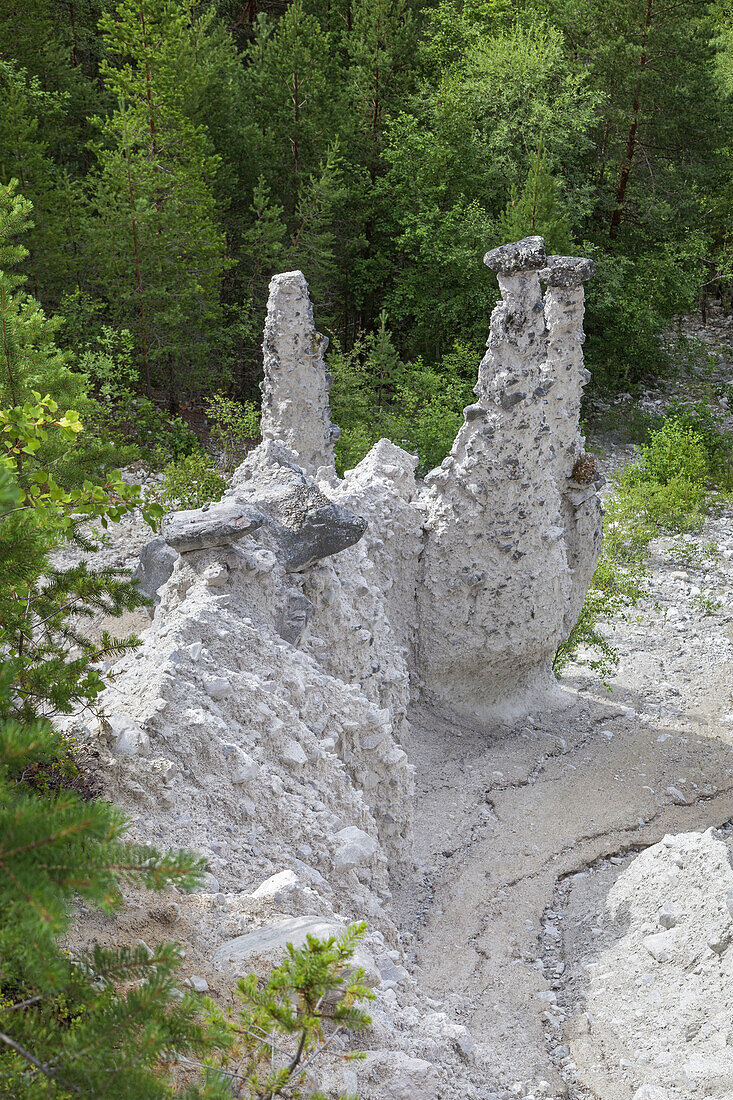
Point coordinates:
[(191, 482), (666, 491), (236, 426), (674, 453), (45, 608)]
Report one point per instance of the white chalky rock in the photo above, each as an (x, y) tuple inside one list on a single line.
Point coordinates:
[(659, 946), (129, 738), (343, 599), (448, 1036), (276, 885), (243, 768), (199, 985), (510, 542), (292, 754), (354, 847), (295, 387), (217, 687), (394, 1075), (663, 1000)]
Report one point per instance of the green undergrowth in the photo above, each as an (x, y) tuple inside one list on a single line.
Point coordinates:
[(681, 476)]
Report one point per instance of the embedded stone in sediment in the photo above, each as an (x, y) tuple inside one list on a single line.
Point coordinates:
[(295, 408), (213, 525), (301, 524), (157, 560)]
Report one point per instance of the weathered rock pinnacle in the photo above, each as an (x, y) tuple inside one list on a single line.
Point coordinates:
[(295, 388)]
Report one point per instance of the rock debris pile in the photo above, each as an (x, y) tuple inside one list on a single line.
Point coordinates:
[(658, 996), (261, 722)]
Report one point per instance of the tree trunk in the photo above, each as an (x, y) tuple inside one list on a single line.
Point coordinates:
[(632, 139)]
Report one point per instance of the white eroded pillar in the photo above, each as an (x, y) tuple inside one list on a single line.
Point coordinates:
[(295, 408)]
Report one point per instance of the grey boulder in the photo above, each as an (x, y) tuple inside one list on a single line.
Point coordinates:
[(524, 255), (567, 271), (217, 524), (302, 524), (156, 563)]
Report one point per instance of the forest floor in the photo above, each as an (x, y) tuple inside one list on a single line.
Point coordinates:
[(521, 829)]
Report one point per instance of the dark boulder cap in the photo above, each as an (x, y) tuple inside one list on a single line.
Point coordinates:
[(524, 255), (567, 271)]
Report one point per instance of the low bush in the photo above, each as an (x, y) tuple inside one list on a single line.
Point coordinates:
[(235, 428), (667, 491), (190, 482)]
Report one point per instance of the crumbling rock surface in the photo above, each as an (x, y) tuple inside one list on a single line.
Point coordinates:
[(660, 994)]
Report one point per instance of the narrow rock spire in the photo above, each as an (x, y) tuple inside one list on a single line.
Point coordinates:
[(295, 409), (495, 578), (566, 375)]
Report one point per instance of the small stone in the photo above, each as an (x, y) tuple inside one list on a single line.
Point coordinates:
[(129, 738), (720, 941), (659, 946), (243, 769), (668, 917), (276, 886), (354, 847), (217, 687), (157, 560), (199, 985), (292, 754), (677, 796)]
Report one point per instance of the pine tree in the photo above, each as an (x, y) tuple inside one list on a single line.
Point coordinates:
[(534, 210), (29, 357), (100, 1023), (292, 95), (160, 254), (379, 48), (27, 115)]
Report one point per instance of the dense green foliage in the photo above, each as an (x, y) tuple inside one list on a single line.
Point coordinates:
[(177, 153)]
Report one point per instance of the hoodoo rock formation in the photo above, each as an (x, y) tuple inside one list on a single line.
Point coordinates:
[(460, 588), (295, 408), (298, 619), (507, 557)]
